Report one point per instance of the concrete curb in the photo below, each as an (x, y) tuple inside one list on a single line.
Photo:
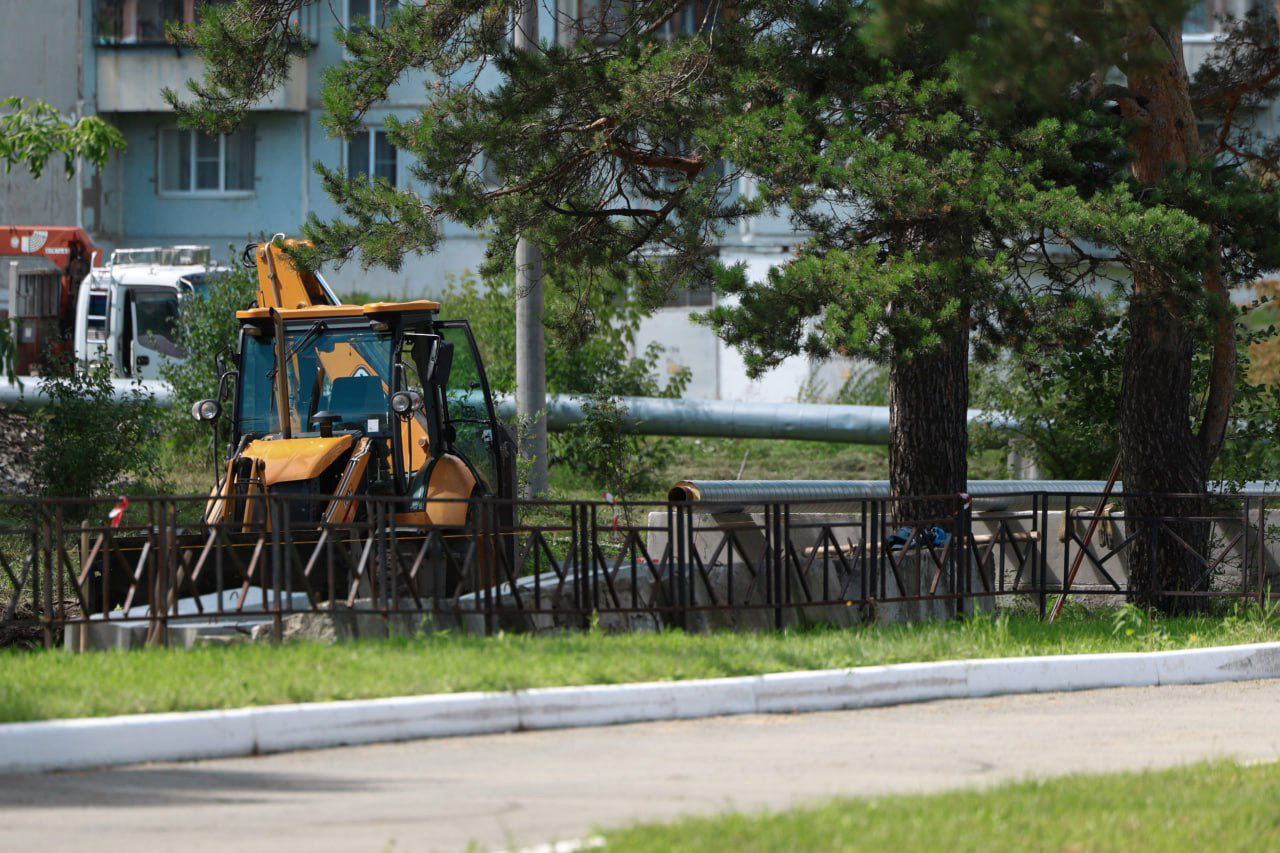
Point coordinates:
[(104, 741)]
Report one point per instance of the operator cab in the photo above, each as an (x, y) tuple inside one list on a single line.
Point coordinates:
[(391, 373)]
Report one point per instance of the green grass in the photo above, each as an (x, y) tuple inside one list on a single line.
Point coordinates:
[(766, 459), (1218, 806), (45, 685)]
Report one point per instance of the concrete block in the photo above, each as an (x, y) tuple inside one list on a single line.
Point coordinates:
[(100, 742), (1229, 663), (567, 707), (103, 636), (1001, 676), (278, 728), (858, 688)]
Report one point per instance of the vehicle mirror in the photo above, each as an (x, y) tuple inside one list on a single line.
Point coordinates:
[(224, 382), (442, 364)]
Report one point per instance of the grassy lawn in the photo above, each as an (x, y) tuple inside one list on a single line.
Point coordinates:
[(1219, 806), (767, 459), (45, 685)]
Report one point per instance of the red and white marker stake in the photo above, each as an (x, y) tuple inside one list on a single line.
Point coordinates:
[(613, 502), (117, 512)]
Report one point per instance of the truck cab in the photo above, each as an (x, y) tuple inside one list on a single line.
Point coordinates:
[(127, 310)]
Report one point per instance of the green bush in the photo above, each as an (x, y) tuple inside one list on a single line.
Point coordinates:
[(1066, 406), (207, 328), (590, 338), (92, 444)]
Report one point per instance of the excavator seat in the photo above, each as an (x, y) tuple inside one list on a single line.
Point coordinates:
[(358, 398)]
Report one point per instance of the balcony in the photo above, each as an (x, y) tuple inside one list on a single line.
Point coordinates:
[(131, 81), (135, 62), (141, 23)]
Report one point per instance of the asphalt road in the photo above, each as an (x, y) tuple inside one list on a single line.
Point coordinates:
[(529, 788)]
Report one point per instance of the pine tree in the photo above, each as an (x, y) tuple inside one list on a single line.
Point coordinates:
[(937, 226), (1131, 52)]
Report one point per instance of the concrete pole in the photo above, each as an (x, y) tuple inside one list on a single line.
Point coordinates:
[(531, 349)]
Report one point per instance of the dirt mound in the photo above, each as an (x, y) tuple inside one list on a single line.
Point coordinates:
[(25, 630), (18, 440)]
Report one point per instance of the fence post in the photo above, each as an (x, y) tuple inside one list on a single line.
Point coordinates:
[(47, 569), (1263, 592), (1041, 569), (964, 522), (274, 514), (776, 558), (677, 567)]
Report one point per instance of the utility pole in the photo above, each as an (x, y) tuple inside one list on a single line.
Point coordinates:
[(531, 347)]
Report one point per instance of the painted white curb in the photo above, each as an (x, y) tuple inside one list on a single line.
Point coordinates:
[(103, 741)]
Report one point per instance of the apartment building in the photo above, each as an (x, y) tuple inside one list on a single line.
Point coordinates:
[(110, 57)]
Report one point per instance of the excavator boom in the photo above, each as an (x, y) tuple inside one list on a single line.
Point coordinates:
[(281, 285)]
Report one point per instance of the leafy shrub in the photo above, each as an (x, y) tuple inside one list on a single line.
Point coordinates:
[(1066, 406), (591, 335), (92, 444), (207, 327)]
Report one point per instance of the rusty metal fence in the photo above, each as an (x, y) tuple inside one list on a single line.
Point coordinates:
[(151, 567)]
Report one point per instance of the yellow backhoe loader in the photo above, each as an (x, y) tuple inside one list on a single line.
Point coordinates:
[(330, 403)]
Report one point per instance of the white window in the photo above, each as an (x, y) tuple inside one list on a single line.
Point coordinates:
[(195, 163), (376, 12), (370, 153)]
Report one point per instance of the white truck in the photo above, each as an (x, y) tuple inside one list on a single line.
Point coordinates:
[(127, 310)]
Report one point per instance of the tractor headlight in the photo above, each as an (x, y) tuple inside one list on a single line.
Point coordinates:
[(404, 402), (206, 410)]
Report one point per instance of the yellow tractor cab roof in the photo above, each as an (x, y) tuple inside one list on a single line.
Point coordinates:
[(321, 312)]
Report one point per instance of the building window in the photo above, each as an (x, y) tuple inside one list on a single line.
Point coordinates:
[(195, 163), (142, 21), (1214, 16), (376, 12), (372, 148), (603, 21)]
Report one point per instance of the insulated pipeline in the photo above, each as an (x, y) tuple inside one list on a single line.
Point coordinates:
[(726, 419), (834, 492)]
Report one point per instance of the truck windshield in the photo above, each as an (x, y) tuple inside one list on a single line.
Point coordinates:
[(342, 371)]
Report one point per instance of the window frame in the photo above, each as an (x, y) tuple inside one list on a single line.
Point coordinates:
[(378, 8), (112, 27), (372, 154), (222, 192)]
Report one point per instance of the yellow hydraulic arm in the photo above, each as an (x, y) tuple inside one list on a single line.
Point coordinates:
[(280, 284)]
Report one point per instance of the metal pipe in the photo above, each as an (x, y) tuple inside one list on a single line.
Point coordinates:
[(27, 391), (831, 493), (726, 419)]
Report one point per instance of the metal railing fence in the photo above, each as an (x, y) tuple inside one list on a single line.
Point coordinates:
[(156, 565)]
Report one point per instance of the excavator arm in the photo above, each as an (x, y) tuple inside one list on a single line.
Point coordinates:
[(281, 285)]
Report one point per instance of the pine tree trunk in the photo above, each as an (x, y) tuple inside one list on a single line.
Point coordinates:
[(929, 429), (1159, 451), (1160, 455)]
